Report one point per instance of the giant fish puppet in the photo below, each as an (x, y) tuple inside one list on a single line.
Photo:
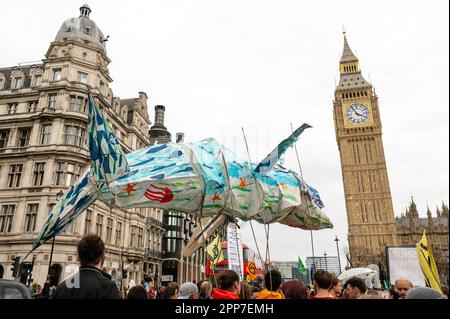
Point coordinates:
[(202, 178)]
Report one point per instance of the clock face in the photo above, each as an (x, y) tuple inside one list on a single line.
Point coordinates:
[(357, 113)]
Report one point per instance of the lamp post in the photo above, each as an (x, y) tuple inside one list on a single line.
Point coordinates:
[(58, 197), (339, 258), (326, 265)]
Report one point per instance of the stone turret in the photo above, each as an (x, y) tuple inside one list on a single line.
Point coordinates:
[(444, 209), (430, 219)]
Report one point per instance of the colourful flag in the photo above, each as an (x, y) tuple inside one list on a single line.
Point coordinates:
[(108, 158), (301, 268), (215, 251), (427, 264), (251, 269)]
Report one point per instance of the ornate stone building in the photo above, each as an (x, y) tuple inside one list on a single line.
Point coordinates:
[(410, 230), (43, 150), (370, 213)]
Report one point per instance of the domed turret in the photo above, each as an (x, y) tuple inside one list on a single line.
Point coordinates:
[(82, 27)]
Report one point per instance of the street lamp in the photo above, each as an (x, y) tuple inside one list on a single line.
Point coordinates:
[(326, 265), (58, 197), (339, 258)]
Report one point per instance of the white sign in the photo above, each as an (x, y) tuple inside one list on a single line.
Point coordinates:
[(234, 250), (166, 278), (404, 263)]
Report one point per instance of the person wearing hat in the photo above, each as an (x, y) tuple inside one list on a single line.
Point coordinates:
[(188, 290), (424, 293)]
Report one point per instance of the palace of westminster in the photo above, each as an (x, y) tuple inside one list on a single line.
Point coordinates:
[(43, 150)]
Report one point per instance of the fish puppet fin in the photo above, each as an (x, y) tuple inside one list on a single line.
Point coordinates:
[(108, 158), (73, 203), (270, 160)]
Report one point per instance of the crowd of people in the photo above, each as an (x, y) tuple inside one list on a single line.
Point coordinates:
[(93, 283)]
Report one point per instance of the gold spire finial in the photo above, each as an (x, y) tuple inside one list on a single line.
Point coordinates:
[(343, 30)]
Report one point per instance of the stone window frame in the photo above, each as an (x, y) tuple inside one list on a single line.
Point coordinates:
[(45, 136), (55, 71), (36, 73), (11, 108), (76, 133), (7, 217), (31, 217), (80, 75), (15, 75), (25, 138), (15, 175), (82, 105), (4, 137), (38, 173), (34, 103)]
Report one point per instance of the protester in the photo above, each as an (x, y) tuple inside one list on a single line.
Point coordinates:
[(46, 290), (246, 291), (90, 282), (229, 285), (354, 288), (188, 290), (205, 290), (273, 283), (322, 281), (336, 288), (137, 292), (295, 289), (424, 293), (171, 291), (402, 286), (147, 280)]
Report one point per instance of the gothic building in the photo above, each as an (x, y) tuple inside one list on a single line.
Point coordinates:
[(43, 150), (357, 119), (410, 229)]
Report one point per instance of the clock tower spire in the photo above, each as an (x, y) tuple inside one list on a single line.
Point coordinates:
[(370, 213)]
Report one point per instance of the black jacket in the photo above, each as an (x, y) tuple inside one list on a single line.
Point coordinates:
[(92, 284)]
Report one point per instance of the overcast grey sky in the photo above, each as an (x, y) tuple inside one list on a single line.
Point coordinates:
[(218, 66)]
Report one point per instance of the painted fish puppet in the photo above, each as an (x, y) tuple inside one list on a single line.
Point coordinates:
[(202, 178)]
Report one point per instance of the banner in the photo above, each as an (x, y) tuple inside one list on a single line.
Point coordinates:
[(427, 264), (403, 262), (235, 253), (214, 249)]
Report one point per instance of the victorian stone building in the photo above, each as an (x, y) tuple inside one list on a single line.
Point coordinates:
[(357, 119), (410, 229), (43, 150)]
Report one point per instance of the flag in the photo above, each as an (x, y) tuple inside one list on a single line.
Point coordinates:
[(108, 158), (215, 251), (251, 270), (301, 269), (427, 264)]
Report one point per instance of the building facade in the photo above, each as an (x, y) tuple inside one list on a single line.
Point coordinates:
[(329, 263), (357, 119), (289, 271), (410, 229), (43, 150)]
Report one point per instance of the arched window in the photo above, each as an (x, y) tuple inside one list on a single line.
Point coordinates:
[(84, 56)]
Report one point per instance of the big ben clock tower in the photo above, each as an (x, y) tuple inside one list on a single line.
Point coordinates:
[(370, 214)]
